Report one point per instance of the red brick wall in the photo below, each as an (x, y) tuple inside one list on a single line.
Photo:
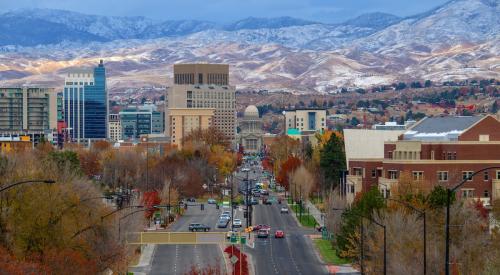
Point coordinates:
[(368, 166), (454, 174), (477, 151), (487, 126)]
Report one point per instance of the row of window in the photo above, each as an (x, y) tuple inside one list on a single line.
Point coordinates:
[(419, 175)]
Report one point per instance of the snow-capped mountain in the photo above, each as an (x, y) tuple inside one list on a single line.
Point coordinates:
[(454, 41)]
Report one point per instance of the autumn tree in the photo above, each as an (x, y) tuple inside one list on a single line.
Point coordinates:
[(288, 167), (303, 180)]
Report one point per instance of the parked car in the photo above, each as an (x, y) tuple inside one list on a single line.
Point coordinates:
[(236, 223), (198, 227), (267, 201), (211, 201), (264, 192), (284, 210), (263, 233), (191, 200), (254, 201), (222, 223), (279, 234)]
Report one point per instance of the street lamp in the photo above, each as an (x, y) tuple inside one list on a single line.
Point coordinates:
[(27, 181), (448, 202), (422, 213), (362, 239)]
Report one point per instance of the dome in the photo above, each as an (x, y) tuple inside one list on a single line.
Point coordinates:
[(251, 111)]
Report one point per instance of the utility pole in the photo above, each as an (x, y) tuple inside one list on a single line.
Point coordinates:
[(232, 205), (246, 200)]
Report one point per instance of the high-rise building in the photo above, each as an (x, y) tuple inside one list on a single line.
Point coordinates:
[(86, 104), (114, 127), (143, 120), (28, 110), (183, 121), (204, 86)]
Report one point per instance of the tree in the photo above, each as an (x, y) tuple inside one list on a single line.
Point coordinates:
[(303, 180), (355, 121), (332, 161), (428, 83), (494, 107), (287, 168)]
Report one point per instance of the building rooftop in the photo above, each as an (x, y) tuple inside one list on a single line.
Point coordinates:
[(441, 128)]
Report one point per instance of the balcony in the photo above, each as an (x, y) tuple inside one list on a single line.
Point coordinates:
[(385, 185)]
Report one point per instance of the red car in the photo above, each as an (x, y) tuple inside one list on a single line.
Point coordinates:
[(279, 234)]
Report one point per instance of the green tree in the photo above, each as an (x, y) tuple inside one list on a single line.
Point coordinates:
[(65, 159), (494, 107), (332, 160), (427, 83), (437, 198)]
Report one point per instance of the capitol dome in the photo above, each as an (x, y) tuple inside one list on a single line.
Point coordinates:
[(251, 111)]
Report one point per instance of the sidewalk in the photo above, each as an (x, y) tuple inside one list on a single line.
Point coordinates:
[(313, 211)]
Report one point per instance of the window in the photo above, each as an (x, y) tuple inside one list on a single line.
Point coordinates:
[(486, 176), (486, 194), (467, 193), (498, 174), (374, 173), (357, 171), (449, 156), (418, 175), (392, 174), (389, 154), (467, 175), (442, 175)]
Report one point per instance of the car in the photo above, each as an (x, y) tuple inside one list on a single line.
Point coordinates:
[(226, 213), (236, 223), (198, 227), (264, 192), (211, 201), (279, 234), (267, 201), (263, 233), (261, 226), (222, 223), (191, 200), (284, 210), (225, 216)]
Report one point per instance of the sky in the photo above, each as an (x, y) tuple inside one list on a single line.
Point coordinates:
[(224, 11)]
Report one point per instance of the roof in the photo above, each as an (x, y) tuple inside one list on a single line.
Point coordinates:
[(251, 111), (442, 128)]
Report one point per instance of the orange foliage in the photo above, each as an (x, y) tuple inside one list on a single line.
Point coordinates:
[(68, 262), (13, 266), (150, 199), (290, 165)]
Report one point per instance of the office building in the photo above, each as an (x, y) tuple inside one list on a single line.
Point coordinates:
[(204, 86), (250, 136), (28, 110), (142, 120), (86, 104), (114, 127), (182, 121), (436, 151), (303, 124)]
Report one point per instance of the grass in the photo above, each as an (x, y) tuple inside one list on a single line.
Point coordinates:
[(307, 220), (328, 254)]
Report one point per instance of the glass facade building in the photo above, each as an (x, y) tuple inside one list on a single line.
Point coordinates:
[(144, 120), (86, 104)]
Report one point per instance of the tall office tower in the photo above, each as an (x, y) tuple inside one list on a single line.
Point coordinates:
[(86, 104), (28, 110), (114, 127), (204, 86)]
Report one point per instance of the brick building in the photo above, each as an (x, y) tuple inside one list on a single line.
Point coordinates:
[(436, 151)]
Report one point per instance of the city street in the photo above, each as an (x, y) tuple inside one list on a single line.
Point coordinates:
[(293, 254), (178, 259)]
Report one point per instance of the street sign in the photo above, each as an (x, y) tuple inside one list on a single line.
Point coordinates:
[(234, 259)]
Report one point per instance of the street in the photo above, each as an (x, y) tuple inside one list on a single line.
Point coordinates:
[(293, 254)]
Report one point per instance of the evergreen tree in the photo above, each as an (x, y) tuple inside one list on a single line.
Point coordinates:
[(332, 161), (494, 107)]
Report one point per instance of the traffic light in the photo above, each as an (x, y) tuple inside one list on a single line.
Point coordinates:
[(202, 207)]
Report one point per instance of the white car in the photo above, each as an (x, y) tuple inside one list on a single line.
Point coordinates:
[(284, 210), (237, 223), (225, 217)]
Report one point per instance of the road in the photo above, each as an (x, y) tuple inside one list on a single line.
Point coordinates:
[(179, 259), (293, 254)]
